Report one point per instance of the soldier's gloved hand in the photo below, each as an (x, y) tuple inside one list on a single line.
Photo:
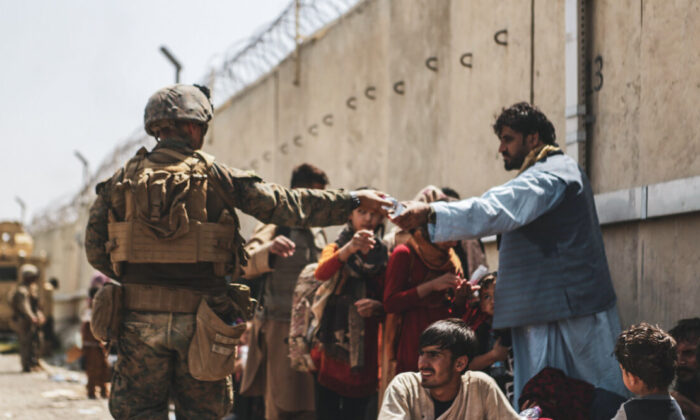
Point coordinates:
[(282, 246), (373, 201), (415, 215)]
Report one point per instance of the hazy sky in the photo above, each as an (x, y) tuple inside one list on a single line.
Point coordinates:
[(76, 75)]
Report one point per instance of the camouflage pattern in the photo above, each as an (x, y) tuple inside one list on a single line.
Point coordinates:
[(152, 350), (176, 103), (152, 366), (267, 202)]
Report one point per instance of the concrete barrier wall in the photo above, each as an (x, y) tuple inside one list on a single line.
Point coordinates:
[(438, 131), (346, 117), (67, 262)]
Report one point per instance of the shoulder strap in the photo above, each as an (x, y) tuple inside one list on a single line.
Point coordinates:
[(219, 190), (133, 164)]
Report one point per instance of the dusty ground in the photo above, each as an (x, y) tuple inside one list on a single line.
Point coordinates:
[(38, 396)]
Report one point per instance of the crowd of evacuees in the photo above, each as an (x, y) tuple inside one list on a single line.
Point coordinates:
[(405, 320), (410, 319), (408, 322)]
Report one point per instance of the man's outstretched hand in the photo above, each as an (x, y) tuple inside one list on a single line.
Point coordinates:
[(373, 201), (415, 215)]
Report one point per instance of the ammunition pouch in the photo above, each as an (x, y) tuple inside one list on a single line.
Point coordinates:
[(212, 352), (107, 311)]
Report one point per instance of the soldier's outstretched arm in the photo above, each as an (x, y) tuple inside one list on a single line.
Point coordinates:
[(273, 203), (96, 235)]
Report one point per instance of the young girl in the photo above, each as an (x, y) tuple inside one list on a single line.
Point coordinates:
[(420, 283), (493, 354), (347, 358)]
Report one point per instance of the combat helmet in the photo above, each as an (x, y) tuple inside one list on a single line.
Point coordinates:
[(28, 271), (177, 103)]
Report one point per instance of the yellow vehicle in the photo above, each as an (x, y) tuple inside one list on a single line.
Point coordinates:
[(16, 248)]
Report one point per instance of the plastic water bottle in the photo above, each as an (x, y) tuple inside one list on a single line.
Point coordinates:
[(532, 413), (498, 369), (395, 209)]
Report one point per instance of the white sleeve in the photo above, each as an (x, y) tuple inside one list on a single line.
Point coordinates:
[(395, 403)]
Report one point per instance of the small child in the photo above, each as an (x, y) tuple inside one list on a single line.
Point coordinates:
[(647, 357), (493, 355), (94, 355)]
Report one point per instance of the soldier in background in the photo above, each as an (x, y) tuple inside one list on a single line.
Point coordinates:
[(165, 226), (27, 317)]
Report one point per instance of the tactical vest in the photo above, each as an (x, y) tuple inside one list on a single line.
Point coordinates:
[(161, 214)]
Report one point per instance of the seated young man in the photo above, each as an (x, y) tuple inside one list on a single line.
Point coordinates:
[(686, 389), (647, 357), (442, 389)]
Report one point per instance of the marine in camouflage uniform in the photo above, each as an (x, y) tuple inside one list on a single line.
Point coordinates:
[(153, 344), (27, 317)]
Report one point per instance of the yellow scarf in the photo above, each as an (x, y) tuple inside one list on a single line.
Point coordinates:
[(434, 257), (537, 154)]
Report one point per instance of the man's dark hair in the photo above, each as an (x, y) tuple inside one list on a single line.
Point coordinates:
[(450, 192), (305, 175), (526, 119), (450, 334), (53, 281), (648, 352), (687, 330), (488, 279)]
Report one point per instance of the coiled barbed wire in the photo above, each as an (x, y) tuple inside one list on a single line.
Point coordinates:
[(243, 63)]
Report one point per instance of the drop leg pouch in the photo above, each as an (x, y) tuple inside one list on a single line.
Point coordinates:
[(212, 352), (107, 311)]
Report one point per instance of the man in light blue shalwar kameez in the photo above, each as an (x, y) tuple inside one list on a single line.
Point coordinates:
[(554, 289)]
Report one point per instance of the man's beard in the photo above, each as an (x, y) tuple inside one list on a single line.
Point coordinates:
[(513, 163), (688, 387)]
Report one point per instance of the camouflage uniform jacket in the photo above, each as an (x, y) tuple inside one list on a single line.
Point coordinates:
[(267, 202), (25, 302)]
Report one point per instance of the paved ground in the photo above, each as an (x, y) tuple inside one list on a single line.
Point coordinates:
[(57, 394)]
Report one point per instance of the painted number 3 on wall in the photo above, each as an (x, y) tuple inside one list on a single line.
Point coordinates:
[(597, 82)]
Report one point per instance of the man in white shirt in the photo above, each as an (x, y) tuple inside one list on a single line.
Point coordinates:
[(442, 390)]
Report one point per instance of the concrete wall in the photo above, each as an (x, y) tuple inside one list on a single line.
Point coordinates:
[(438, 131), (67, 263), (642, 134)]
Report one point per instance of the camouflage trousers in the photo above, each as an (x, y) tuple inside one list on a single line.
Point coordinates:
[(29, 342), (151, 369)]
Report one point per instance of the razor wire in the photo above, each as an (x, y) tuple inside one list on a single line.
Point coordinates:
[(243, 63), (246, 62)]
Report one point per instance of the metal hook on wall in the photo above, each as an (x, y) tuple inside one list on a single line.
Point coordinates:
[(297, 141), (328, 120), (432, 63), (370, 93), (283, 148), (313, 130), (400, 87), (351, 102), (464, 57), (501, 37), (267, 156)]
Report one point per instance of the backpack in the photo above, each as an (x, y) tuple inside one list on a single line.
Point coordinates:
[(309, 299)]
